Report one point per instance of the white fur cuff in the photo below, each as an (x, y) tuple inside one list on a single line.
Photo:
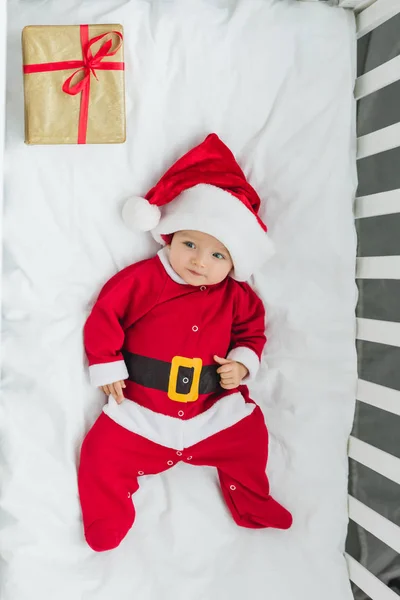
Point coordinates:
[(248, 358), (106, 373)]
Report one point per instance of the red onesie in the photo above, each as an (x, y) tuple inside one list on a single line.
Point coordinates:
[(160, 335)]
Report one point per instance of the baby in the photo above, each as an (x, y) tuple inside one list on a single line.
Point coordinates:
[(199, 260), (172, 341)]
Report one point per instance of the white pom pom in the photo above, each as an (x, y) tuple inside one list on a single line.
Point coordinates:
[(139, 214)]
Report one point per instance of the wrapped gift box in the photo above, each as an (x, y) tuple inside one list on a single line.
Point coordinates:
[(74, 84)]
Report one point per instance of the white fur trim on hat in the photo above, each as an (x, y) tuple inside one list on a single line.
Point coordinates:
[(215, 211), (138, 214)]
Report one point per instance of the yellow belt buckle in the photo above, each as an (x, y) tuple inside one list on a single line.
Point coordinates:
[(181, 361)]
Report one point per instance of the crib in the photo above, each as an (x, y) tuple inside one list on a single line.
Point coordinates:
[(373, 541), (373, 450)]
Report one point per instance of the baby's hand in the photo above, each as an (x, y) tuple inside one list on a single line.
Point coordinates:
[(231, 373), (115, 390)]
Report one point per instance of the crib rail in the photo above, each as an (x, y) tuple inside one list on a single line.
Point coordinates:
[(384, 203), (379, 141), (367, 582), (376, 14), (378, 78), (380, 332), (376, 146), (382, 528), (378, 267), (379, 396), (383, 463)]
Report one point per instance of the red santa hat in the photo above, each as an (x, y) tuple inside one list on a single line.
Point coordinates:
[(206, 190)]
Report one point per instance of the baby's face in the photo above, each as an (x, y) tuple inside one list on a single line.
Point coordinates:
[(199, 258)]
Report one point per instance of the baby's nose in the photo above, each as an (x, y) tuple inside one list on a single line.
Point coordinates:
[(201, 261)]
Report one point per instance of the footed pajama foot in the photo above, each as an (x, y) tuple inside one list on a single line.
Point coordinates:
[(254, 511), (276, 515), (106, 534)]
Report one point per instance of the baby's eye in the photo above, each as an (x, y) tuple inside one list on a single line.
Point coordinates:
[(189, 244), (219, 255)]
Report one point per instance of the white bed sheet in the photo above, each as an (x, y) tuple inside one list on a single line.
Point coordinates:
[(274, 79)]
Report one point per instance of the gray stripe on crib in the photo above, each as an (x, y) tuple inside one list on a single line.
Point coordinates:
[(379, 46), (362, 51), (379, 236), (380, 560), (379, 110), (369, 491), (352, 541), (357, 592), (372, 422), (379, 173), (379, 299), (379, 363)]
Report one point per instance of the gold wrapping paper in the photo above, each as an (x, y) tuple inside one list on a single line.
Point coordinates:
[(51, 115)]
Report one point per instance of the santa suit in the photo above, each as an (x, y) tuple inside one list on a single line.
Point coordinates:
[(160, 335)]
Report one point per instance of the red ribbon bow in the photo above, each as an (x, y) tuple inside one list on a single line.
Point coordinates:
[(88, 66)]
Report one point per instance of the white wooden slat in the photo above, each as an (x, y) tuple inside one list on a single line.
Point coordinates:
[(381, 332), (383, 463), (378, 141), (378, 78), (362, 4), (378, 267), (375, 15), (379, 396), (371, 585), (379, 526), (355, 4), (384, 203)]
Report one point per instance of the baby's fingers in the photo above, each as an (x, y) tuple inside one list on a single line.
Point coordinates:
[(225, 369), (229, 375), (228, 386), (117, 392)]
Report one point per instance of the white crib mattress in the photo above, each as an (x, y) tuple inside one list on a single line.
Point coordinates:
[(274, 80)]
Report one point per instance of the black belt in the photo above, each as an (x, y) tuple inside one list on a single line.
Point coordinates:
[(184, 379)]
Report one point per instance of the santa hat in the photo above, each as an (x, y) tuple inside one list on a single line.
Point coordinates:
[(206, 190)]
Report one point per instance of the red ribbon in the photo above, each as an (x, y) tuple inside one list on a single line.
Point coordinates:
[(88, 66)]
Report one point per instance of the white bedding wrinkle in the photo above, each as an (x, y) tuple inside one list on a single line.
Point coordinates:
[(274, 79)]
